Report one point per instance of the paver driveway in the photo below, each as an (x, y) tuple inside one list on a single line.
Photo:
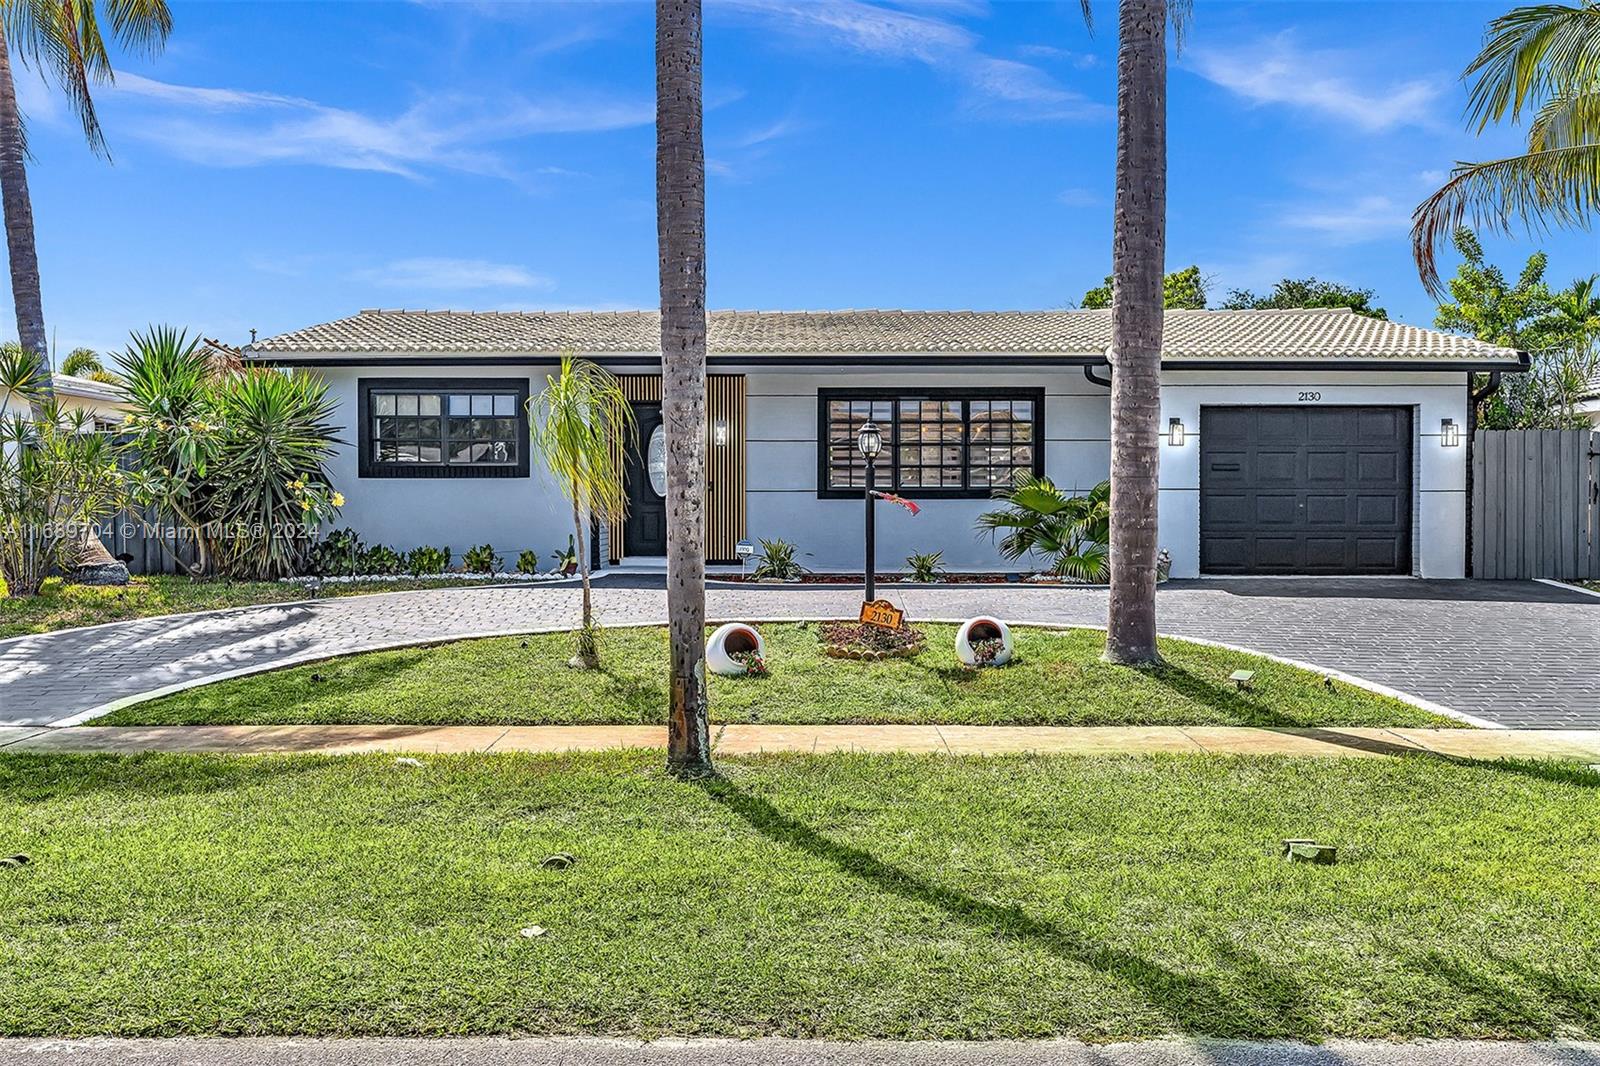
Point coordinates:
[(1515, 653)]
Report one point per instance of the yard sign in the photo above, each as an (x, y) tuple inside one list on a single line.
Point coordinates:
[(882, 613)]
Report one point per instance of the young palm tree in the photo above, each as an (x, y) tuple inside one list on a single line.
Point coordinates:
[(1039, 519), (681, 233), (1139, 238), (580, 422), (1543, 59), (62, 39)]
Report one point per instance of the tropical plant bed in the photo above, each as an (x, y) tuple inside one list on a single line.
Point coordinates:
[(841, 896), (857, 640), (812, 578), (1059, 679), (62, 605)]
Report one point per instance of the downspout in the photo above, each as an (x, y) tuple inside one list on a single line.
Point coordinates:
[(1088, 372), (1475, 398)]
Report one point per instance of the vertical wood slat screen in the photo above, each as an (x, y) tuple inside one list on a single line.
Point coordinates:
[(725, 464), (1536, 504)]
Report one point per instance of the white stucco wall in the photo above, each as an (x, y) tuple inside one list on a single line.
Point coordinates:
[(781, 485), (781, 501), (1439, 473), (510, 513)]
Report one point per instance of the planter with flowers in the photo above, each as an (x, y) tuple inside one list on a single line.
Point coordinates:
[(736, 649), (984, 642)]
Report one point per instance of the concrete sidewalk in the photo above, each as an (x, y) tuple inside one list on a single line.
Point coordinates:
[(267, 1051), (751, 739)]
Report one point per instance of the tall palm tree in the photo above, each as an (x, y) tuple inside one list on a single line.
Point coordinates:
[(1139, 239), (1543, 59), (60, 38), (581, 421), (681, 233)]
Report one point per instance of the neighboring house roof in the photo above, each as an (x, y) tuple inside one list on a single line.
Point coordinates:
[(1281, 337), (1593, 391), (89, 389)]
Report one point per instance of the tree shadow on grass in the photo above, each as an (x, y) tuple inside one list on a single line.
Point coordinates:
[(1232, 706), (1257, 1000)]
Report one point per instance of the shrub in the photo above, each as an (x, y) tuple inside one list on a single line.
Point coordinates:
[(778, 561), (58, 479), (567, 559), (235, 456), (1071, 532), (528, 562), (381, 559), (925, 566), (337, 553), (426, 560), (481, 560)]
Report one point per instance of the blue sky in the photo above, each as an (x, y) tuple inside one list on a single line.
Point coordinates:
[(288, 163)]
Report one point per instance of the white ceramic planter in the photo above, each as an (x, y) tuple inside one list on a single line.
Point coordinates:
[(733, 637), (983, 628)]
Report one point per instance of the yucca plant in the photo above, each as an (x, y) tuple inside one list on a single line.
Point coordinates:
[(236, 457), (268, 490), (580, 423), (1069, 532), (779, 561), (58, 478)]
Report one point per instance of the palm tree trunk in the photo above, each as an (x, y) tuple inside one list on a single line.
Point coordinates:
[(19, 224), (681, 231), (1138, 259), (587, 655)]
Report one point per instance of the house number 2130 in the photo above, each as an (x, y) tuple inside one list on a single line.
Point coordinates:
[(1310, 397)]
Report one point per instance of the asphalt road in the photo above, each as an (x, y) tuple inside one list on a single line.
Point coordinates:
[(572, 1052)]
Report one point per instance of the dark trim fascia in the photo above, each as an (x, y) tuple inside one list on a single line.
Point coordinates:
[(891, 393), (933, 359), (982, 359), (366, 467), (1349, 366)]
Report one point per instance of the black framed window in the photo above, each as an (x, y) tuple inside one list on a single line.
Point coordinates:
[(444, 427), (937, 442)]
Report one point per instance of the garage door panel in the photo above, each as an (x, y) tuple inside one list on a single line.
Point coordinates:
[(1317, 490), (1325, 510), (1326, 466), (1277, 510), (1377, 511), (1280, 424), (1282, 553)]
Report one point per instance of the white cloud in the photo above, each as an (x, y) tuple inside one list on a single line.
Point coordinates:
[(1364, 219), (1080, 60), (1278, 71), (234, 127), (433, 274), (1016, 89), (1079, 197)]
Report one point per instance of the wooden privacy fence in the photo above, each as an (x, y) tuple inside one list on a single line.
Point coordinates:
[(1536, 504)]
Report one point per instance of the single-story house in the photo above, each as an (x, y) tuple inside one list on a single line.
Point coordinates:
[(1589, 402), (103, 403), (1295, 441)]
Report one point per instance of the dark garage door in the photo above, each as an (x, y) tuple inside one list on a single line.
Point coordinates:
[(1305, 490)]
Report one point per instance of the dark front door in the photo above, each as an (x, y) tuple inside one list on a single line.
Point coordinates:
[(1305, 490), (645, 531)]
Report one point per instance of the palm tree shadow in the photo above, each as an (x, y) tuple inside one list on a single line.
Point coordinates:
[(1233, 706), (1260, 999)]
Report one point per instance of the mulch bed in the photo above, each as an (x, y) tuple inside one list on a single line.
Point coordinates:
[(856, 640)]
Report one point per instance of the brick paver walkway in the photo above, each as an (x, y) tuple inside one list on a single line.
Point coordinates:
[(1516, 653)]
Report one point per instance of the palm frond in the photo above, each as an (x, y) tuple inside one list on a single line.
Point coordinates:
[(1532, 53), (581, 421), (1557, 186), (1571, 118)]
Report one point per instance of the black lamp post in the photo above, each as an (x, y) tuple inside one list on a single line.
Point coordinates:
[(870, 441)]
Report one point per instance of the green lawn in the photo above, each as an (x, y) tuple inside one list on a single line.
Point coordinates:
[(62, 606), (837, 896), (1059, 680)]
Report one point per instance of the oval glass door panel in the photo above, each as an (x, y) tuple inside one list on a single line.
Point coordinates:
[(655, 460)]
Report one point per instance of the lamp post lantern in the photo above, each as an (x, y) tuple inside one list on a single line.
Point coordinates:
[(870, 442)]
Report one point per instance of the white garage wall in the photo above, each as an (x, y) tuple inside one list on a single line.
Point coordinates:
[(1439, 484), (782, 464)]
